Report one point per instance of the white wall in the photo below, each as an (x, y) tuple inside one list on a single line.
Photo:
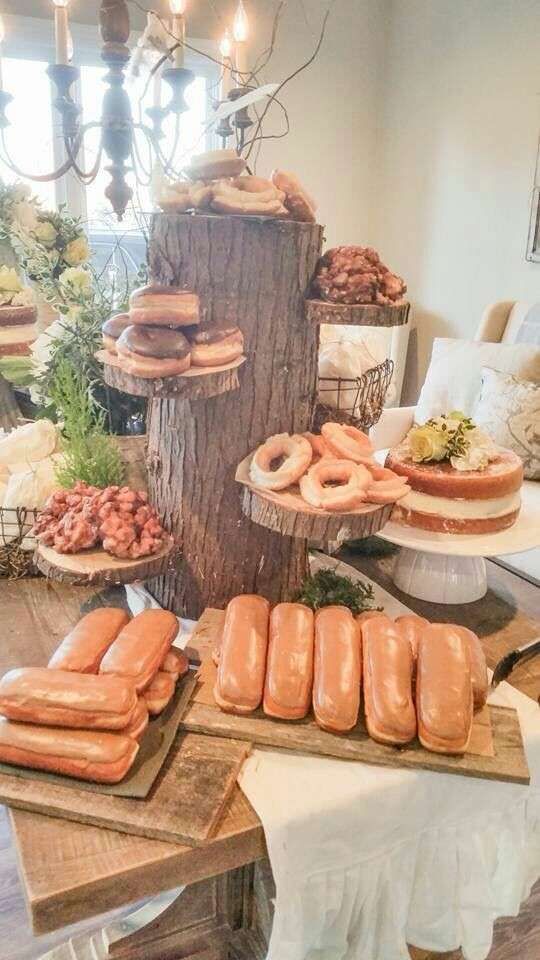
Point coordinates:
[(332, 108), (458, 129)]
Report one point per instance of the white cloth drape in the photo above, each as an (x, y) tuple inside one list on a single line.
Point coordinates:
[(367, 859)]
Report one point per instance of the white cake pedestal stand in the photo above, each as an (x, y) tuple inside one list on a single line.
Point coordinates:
[(450, 568)]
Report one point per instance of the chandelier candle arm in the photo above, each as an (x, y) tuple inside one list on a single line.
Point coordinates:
[(61, 31), (178, 8), (227, 82), (240, 34)]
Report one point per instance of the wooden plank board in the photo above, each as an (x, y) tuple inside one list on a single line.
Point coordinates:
[(358, 314), (503, 756), (185, 805)]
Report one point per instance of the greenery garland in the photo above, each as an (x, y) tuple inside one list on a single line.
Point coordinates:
[(51, 249)]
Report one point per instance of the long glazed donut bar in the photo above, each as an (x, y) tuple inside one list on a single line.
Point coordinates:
[(64, 699), (337, 669), (289, 672), (412, 626), (242, 663), (139, 721), (85, 646), (159, 692), (84, 754), (388, 672), (141, 647), (176, 663), (444, 702), (479, 674)]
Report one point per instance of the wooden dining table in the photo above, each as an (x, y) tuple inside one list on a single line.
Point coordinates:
[(207, 902)]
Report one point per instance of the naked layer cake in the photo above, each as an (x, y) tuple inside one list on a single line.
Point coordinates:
[(18, 329), (461, 482)]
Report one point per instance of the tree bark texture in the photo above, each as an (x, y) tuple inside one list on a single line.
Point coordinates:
[(253, 273)]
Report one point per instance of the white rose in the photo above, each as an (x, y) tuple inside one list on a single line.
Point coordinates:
[(77, 252), (21, 191), (77, 280), (46, 233), (24, 213)]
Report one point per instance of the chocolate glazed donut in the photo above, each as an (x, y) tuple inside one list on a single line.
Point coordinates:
[(114, 328), (212, 346), (153, 351)]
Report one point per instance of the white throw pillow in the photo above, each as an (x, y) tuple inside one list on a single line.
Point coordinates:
[(509, 410), (454, 377)]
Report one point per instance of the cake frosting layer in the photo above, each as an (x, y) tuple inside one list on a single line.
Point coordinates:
[(461, 509)]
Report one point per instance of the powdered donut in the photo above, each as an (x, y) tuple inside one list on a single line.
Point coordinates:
[(352, 480), (348, 442), (297, 454)]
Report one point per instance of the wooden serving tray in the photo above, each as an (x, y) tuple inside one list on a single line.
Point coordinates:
[(495, 753), (95, 567)]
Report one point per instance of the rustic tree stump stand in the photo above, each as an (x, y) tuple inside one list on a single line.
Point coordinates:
[(253, 272)]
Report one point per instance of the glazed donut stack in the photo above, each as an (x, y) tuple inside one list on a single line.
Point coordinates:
[(218, 184), (334, 471), (161, 335)]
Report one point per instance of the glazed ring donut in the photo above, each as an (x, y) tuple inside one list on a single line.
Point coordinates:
[(318, 445), (351, 482), (229, 199), (214, 164), (297, 454), (347, 442), (253, 184), (387, 489)]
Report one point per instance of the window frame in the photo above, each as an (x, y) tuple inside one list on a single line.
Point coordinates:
[(32, 38)]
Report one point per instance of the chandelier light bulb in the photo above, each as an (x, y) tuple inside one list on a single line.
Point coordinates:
[(178, 7), (60, 3), (241, 23), (225, 47)]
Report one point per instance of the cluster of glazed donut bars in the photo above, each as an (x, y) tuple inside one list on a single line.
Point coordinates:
[(85, 713), (162, 335), (334, 471), (415, 678), (218, 184)]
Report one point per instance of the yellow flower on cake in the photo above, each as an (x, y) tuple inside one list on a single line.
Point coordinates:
[(77, 280), (426, 443), (25, 298), (9, 280), (77, 252), (46, 233)]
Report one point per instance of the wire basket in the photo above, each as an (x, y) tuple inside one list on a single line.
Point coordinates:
[(358, 401), (16, 543)]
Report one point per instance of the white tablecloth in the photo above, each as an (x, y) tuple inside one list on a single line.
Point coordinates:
[(367, 859)]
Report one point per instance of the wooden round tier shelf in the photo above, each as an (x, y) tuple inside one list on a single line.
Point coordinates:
[(197, 383), (358, 314), (287, 513), (98, 568)]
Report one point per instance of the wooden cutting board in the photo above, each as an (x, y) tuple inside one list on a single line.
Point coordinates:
[(496, 750), (184, 806)]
